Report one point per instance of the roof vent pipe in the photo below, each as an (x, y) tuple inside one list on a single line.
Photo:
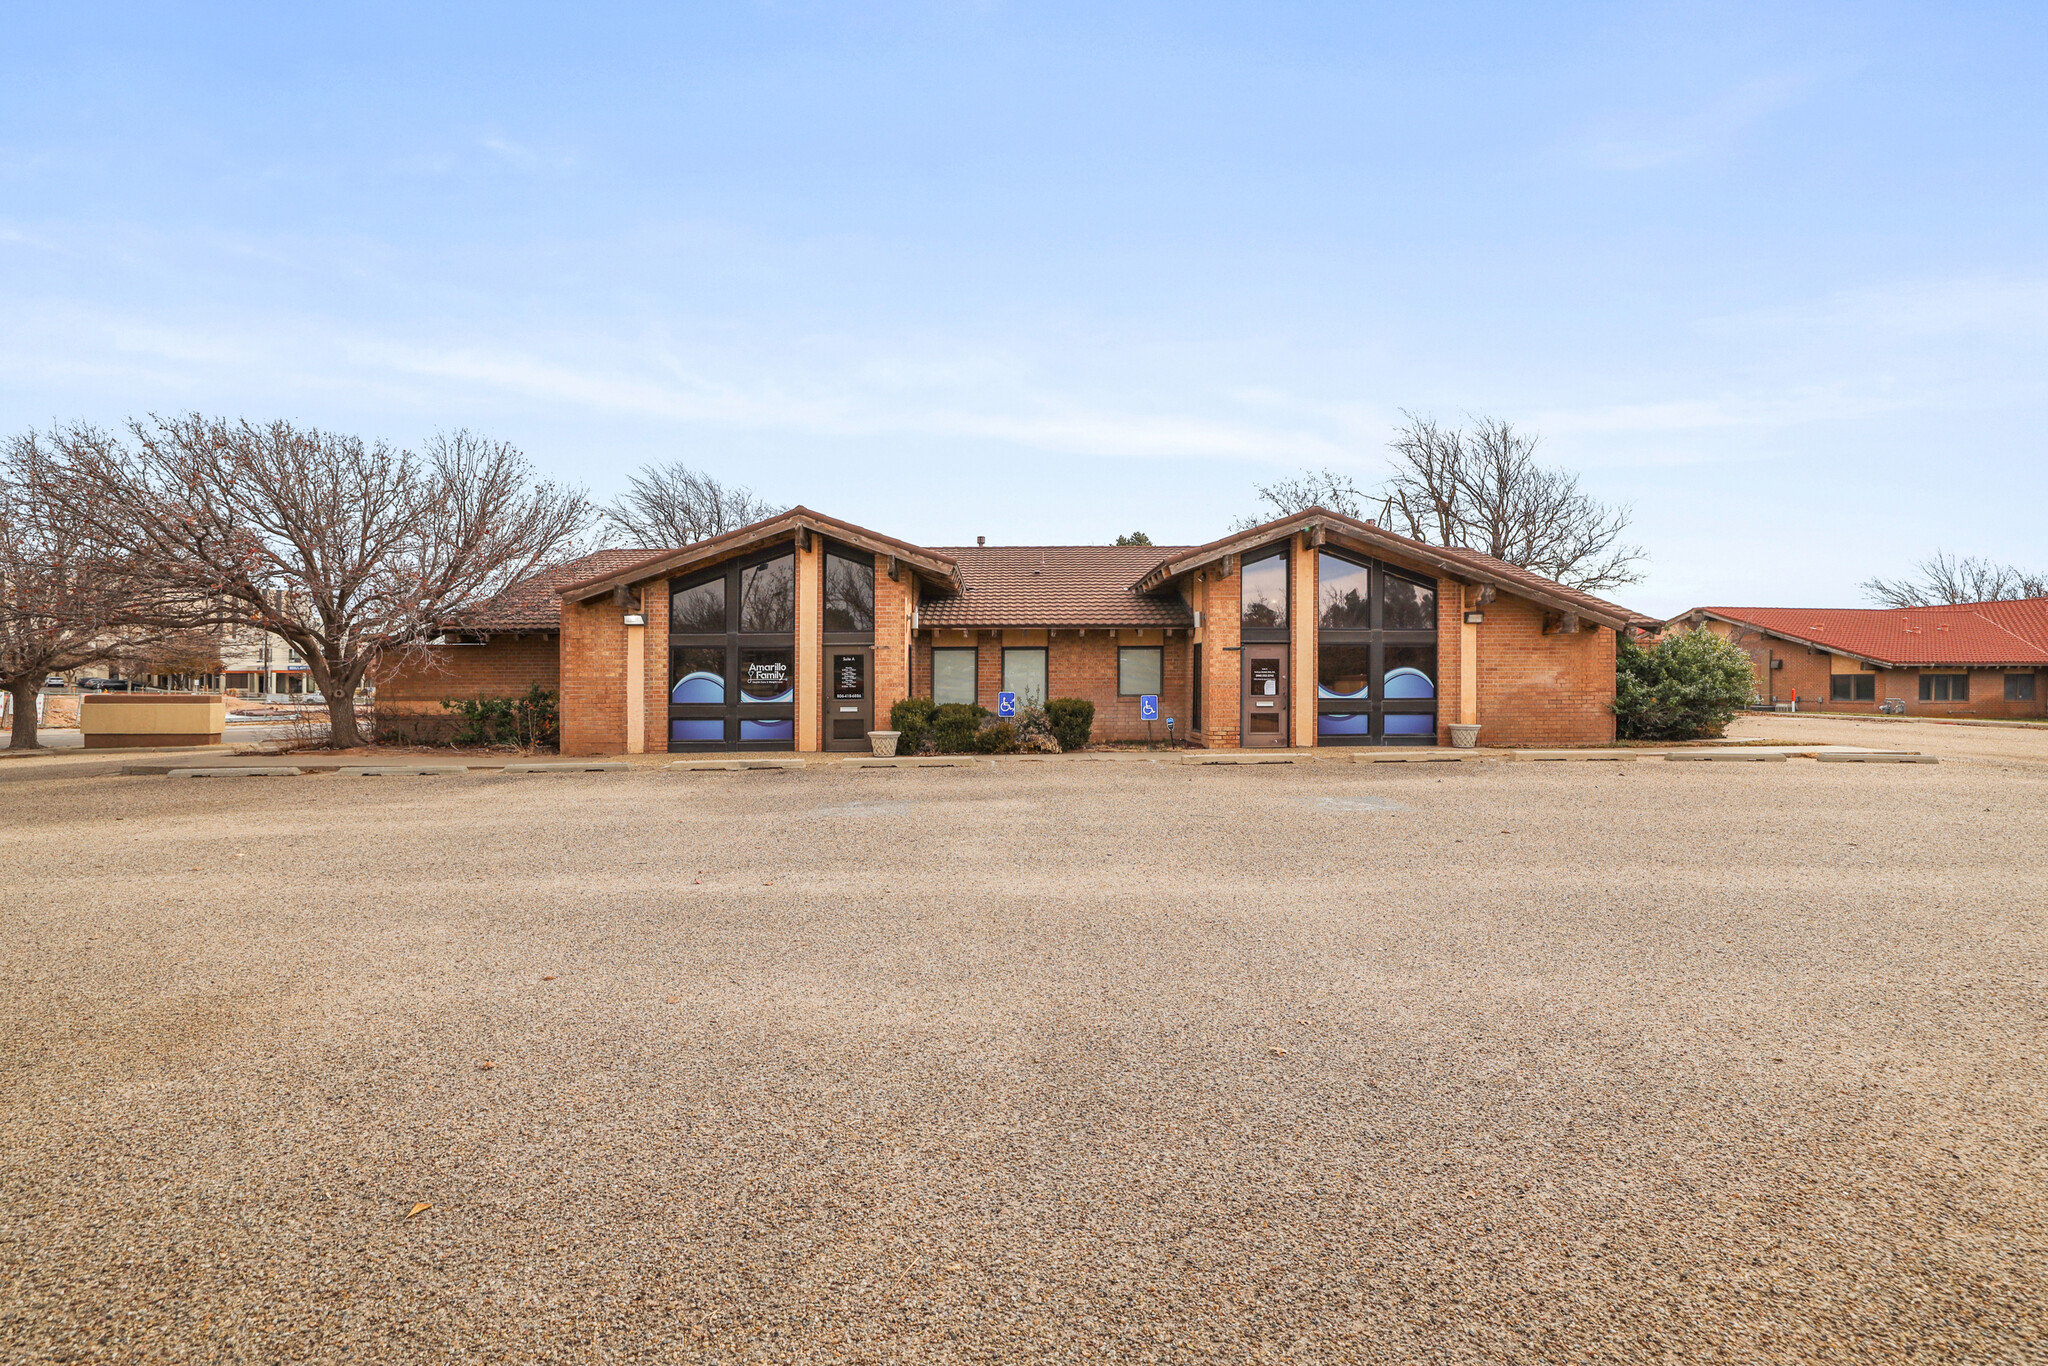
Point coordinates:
[(981, 540)]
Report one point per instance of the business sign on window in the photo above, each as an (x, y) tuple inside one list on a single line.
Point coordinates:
[(849, 678), (1265, 678), (766, 675)]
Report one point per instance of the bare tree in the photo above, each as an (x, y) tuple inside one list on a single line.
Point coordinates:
[(351, 552), (1484, 491), (669, 506), (1324, 488), (66, 599), (1951, 579)]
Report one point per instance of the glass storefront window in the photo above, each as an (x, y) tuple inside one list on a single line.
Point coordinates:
[(1344, 723), (768, 596), (766, 730), (699, 609), (849, 593), (1024, 675), (1344, 592), (767, 675), (953, 676), (1263, 594), (1411, 723), (699, 673), (1343, 671), (1407, 605), (1411, 672), (697, 729)]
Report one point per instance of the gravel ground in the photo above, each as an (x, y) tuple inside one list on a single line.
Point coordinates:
[(1131, 1062)]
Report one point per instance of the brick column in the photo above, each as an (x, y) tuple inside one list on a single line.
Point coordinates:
[(1301, 617), (1468, 660), (636, 690), (1222, 704), (810, 644), (894, 599)]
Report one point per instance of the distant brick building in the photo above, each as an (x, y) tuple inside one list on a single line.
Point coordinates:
[(800, 632), (1983, 659)]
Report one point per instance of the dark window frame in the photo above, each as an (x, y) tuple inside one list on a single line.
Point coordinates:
[(1956, 686), (1376, 638), (1862, 687), (2017, 684), (1159, 650), (1008, 650), (861, 559), (974, 650), (1269, 635), (736, 708)]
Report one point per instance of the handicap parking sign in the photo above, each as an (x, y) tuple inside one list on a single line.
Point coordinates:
[(1006, 704), (1148, 708)]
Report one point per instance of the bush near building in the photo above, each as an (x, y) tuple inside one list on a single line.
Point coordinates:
[(1073, 720), (1687, 686), (530, 722), (911, 719)]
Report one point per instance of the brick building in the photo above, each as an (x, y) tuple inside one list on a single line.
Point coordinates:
[(1983, 659), (800, 632)]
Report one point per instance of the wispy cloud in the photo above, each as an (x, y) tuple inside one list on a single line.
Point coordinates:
[(1650, 141)]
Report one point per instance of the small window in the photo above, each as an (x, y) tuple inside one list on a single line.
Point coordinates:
[(953, 676), (1944, 687), (768, 596), (1024, 674), (2019, 687), (1852, 688), (1263, 594), (849, 593), (698, 609), (1138, 670)]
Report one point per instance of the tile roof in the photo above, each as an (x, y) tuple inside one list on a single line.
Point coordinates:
[(535, 604), (1055, 585), (655, 563), (1985, 634)]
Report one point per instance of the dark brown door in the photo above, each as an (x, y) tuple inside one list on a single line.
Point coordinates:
[(849, 696), (1265, 695)]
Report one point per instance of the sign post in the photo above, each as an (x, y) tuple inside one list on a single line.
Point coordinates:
[(1148, 712), (1006, 704)]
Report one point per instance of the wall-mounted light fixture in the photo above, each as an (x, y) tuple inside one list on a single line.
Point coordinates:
[(1474, 618), (636, 618)]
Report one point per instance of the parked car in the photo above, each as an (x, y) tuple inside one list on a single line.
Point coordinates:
[(55, 681), (103, 685)]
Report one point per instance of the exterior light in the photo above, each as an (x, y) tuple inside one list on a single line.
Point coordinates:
[(636, 618), (1474, 618)]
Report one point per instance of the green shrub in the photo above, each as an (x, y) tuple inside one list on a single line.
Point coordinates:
[(1688, 686), (996, 737), (530, 722), (954, 726), (1072, 718), (912, 718)]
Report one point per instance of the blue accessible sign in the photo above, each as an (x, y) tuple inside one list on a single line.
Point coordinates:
[(1006, 704), (1148, 708)]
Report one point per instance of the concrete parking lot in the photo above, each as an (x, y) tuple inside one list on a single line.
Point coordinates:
[(1492, 1062)]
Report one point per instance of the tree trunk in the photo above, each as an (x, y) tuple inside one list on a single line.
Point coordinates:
[(24, 691), (340, 691)]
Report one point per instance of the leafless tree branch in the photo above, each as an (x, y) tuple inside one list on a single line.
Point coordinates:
[(1951, 579), (666, 507)]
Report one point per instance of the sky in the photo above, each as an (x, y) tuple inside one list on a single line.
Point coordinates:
[(1775, 275)]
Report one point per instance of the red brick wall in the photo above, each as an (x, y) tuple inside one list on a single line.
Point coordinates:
[(1223, 680), (893, 603), (1078, 665), (504, 666), (1538, 690), (594, 678)]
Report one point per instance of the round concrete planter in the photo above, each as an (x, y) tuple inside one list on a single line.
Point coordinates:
[(1464, 737), (884, 742)]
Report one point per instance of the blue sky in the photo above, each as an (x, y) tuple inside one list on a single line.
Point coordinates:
[(1774, 274)]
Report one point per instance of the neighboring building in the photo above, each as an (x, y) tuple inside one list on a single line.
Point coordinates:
[(1977, 659), (801, 631)]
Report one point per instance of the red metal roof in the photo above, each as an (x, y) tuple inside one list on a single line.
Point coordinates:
[(1985, 635)]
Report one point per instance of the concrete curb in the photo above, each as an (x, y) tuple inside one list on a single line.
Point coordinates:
[(403, 770), (1877, 758), (730, 765), (1725, 756), (225, 771)]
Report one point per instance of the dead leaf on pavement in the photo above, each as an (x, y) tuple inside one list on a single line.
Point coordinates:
[(417, 1210)]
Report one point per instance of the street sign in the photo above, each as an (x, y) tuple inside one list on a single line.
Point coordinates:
[(1148, 708), (1006, 704)]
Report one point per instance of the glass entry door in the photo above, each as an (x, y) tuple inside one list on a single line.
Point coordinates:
[(1265, 696), (849, 697)]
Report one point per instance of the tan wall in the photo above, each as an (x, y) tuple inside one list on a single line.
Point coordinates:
[(147, 719), (894, 601)]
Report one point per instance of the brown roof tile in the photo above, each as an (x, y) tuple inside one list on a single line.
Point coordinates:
[(535, 604), (1055, 585)]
